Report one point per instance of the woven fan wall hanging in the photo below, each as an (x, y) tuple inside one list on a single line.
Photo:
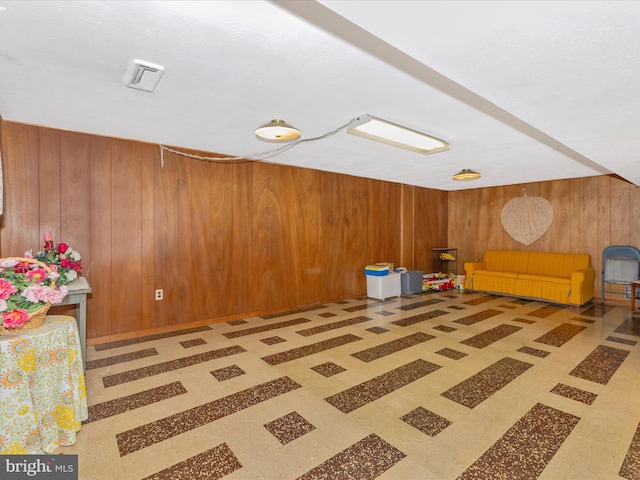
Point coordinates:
[(526, 219)]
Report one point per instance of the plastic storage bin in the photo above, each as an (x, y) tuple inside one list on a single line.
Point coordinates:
[(411, 282)]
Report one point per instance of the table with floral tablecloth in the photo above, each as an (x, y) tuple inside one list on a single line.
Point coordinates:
[(42, 391)]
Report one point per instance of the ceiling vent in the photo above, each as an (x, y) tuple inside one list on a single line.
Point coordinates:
[(144, 75)]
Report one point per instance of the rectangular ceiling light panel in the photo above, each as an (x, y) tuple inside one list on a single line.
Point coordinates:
[(374, 128)]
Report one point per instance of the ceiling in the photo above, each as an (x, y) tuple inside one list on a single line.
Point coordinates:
[(523, 91)]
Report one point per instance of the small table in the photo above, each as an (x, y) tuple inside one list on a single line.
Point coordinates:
[(77, 296), (634, 286), (43, 397)]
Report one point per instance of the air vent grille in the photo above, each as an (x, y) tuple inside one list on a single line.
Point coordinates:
[(144, 75)]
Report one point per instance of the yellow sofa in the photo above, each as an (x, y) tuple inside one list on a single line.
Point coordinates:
[(566, 278)]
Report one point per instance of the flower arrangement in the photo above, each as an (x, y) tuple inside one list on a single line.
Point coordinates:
[(64, 261), (24, 292)]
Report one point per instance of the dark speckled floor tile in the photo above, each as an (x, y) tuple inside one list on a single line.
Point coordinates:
[(213, 464), (524, 320), (236, 322), (451, 353), (598, 311), (424, 303), (600, 365), (545, 311), (526, 448), (289, 427), (333, 326), (485, 339), (143, 436), (149, 338), (377, 330), (534, 351), (560, 335), (521, 301), (631, 465), (477, 388), (582, 320), (631, 326), (328, 369), (393, 346), (480, 300), (445, 328), (193, 343), (384, 313), (405, 322), (327, 314), (426, 421), (227, 373), (310, 308), (624, 341), (456, 307), (265, 328), (136, 400), (355, 397), (477, 317), (574, 393), (273, 340), (127, 357), (158, 368), (365, 460), (300, 352)]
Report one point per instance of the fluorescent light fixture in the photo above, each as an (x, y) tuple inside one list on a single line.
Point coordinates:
[(390, 133), (466, 174), (277, 131)]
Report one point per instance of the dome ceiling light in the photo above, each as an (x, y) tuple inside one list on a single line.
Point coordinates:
[(466, 174), (277, 131)]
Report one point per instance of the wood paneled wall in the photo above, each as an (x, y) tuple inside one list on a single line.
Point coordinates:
[(589, 215), (222, 240)]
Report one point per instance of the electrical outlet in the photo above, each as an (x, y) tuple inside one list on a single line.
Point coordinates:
[(159, 294)]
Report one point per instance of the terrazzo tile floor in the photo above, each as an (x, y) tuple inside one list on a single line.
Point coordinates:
[(427, 386)]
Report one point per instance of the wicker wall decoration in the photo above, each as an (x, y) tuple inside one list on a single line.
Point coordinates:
[(526, 219)]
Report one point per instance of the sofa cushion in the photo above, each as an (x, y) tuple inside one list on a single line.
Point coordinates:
[(492, 273), (506, 260), (556, 264), (545, 278)]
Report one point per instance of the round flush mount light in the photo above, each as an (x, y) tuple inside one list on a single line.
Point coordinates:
[(277, 131), (466, 174)]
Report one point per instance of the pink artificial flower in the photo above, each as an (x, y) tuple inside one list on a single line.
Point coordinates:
[(9, 263), (48, 241), (36, 293), (6, 288), (21, 267), (62, 247), (56, 296), (41, 293), (37, 275), (15, 318)]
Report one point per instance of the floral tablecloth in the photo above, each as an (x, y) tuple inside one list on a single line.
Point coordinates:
[(43, 397)]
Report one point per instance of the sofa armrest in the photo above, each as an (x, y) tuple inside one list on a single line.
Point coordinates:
[(469, 269), (582, 286)]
